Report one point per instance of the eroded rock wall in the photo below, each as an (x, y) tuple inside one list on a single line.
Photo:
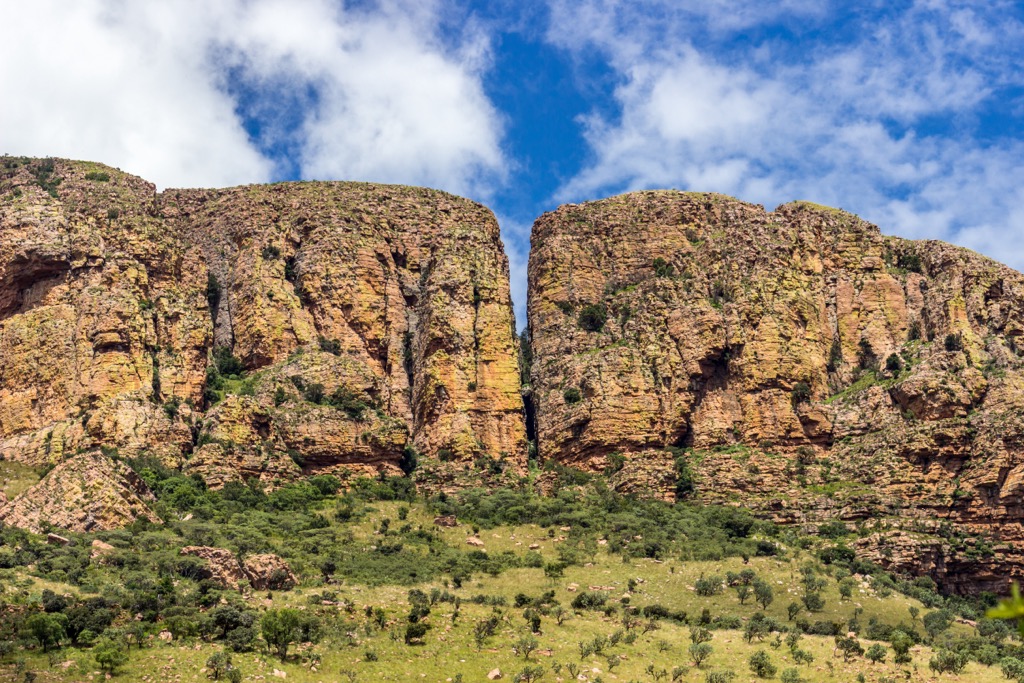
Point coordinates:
[(797, 361), (370, 321)]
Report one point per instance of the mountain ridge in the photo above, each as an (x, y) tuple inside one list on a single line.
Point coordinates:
[(797, 362)]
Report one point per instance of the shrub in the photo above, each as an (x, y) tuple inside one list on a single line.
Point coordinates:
[(280, 627), (835, 355), (954, 342), (876, 653), (909, 262), (589, 600), (270, 253), (97, 176), (801, 393), (662, 268), (331, 346), (109, 656), (948, 661), (761, 664), (699, 652), (593, 317), (414, 633), (719, 676), (572, 396), (227, 363), (708, 585), (893, 364), (790, 675)]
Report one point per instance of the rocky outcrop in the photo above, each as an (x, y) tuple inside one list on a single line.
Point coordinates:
[(263, 572), (797, 361), (89, 492), (355, 325)]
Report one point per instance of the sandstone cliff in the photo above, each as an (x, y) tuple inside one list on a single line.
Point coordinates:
[(796, 361), (255, 332)]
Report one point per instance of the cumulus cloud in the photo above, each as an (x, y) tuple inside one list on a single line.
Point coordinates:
[(196, 93), (123, 83), (880, 118)]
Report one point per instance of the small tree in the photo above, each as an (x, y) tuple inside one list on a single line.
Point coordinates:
[(593, 317), (947, 661), (218, 664), (876, 653), (700, 634), (109, 655), (848, 647), (280, 628), (763, 593), (793, 609), (699, 652), (813, 601), (790, 675), (48, 629), (761, 664), (525, 645), (529, 674), (937, 621), (743, 592), (901, 644)]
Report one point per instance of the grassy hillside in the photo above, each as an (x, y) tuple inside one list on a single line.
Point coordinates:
[(585, 584)]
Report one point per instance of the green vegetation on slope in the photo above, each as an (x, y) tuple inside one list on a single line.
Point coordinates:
[(583, 582)]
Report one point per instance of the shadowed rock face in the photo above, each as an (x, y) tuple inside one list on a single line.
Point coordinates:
[(796, 361), (390, 302)]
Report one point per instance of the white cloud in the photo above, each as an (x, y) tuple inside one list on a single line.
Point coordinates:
[(878, 121), (144, 86), (120, 83)]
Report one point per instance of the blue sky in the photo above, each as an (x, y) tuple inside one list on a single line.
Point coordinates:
[(908, 113)]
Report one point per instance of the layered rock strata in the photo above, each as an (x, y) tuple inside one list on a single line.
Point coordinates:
[(796, 361), (264, 331)]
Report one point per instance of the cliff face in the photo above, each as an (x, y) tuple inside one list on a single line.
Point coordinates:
[(797, 361), (368, 321)]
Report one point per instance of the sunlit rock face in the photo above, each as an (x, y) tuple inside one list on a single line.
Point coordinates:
[(796, 361), (370, 321)]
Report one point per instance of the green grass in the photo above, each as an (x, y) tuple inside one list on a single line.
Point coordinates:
[(282, 522), (16, 478)]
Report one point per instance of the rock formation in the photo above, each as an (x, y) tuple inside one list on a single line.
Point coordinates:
[(263, 572), (89, 492), (795, 361), (264, 331)]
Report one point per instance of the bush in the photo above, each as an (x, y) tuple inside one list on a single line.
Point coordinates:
[(589, 600), (226, 362), (699, 652), (761, 664), (893, 364), (708, 586), (109, 656), (662, 268), (414, 633), (801, 393), (876, 653), (593, 317), (954, 342), (947, 661), (280, 627), (909, 262), (97, 176), (790, 675), (572, 395)]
